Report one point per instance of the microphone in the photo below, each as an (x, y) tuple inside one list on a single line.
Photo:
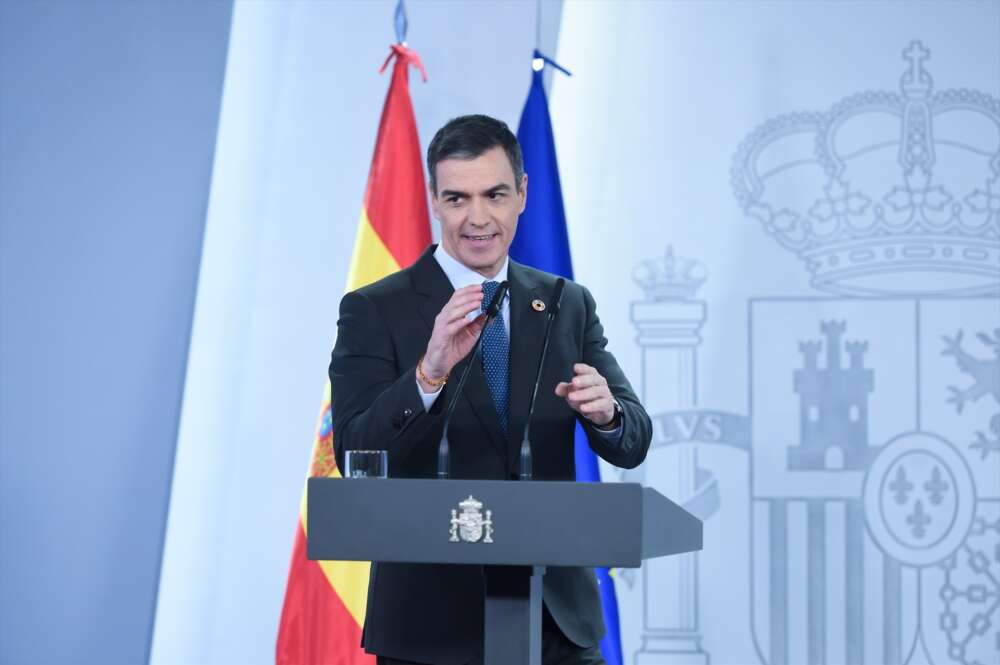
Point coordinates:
[(525, 471), (444, 453)]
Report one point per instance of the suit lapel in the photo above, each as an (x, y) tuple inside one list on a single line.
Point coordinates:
[(527, 328), (430, 282)]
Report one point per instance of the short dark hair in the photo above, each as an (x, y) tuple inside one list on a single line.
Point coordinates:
[(468, 137)]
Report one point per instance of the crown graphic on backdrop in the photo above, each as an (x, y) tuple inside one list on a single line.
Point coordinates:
[(670, 277), (885, 193)]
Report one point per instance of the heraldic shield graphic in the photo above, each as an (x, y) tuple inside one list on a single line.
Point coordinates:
[(875, 409)]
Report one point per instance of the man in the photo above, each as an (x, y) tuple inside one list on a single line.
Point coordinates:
[(401, 339)]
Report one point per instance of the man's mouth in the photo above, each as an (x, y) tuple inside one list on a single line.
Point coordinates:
[(480, 238)]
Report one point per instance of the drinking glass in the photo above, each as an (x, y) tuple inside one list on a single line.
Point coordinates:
[(367, 464)]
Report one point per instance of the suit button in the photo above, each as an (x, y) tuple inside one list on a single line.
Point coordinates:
[(407, 413)]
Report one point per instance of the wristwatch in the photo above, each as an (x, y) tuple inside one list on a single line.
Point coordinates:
[(616, 420)]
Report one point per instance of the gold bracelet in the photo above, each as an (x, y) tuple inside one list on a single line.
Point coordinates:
[(437, 383)]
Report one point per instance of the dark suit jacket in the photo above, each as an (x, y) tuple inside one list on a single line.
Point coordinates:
[(434, 613)]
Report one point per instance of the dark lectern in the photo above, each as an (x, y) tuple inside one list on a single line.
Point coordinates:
[(515, 529)]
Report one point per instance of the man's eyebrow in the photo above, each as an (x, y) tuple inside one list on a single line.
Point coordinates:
[(496, 189), (452, 192)]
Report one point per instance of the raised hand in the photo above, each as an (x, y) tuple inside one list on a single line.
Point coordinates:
[(454, 334), (588, 394)]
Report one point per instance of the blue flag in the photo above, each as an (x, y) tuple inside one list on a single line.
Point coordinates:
[(543, 242)]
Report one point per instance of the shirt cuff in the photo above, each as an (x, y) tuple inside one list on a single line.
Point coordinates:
[(611, 435), (429, 398)]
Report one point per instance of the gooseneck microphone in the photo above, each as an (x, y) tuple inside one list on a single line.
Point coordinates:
[(525, 470), (444, 453)]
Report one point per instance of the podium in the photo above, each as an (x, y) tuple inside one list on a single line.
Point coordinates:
[(514, 529)]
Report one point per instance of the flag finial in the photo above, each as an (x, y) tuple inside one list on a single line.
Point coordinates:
[(539, 60), (401, 24)]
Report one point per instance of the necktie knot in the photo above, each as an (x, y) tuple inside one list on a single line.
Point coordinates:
[(489, 291)]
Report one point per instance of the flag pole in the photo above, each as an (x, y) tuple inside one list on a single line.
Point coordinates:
[(538, 25)]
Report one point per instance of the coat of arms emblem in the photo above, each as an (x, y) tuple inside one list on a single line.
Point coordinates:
[(469, 525), (873, 405)]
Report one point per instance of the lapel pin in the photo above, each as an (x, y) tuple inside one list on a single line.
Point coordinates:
[(538, 305)]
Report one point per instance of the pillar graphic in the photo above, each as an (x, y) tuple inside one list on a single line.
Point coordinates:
[(668, 322)]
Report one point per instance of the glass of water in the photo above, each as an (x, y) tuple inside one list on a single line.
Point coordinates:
[(367, 464)]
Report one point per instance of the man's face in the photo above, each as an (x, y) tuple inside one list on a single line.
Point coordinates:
[(477, 203)]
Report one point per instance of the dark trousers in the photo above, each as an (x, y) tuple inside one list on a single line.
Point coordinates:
[(556, 649)]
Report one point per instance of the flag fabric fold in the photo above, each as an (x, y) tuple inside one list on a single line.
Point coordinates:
[(324, 606), (542, 241)]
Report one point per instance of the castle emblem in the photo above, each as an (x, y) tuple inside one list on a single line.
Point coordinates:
[(834, 405), (469, 526)]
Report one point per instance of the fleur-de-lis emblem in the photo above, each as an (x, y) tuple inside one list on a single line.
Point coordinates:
[(915, 505), (936, 487), (901, 486), (918, 520)]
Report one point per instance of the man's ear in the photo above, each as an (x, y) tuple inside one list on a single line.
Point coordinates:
[(522, 191)]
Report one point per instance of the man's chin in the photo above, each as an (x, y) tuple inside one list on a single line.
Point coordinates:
[(482, 264)]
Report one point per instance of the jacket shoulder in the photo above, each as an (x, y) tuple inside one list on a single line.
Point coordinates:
[(390, 286), (546, 281)]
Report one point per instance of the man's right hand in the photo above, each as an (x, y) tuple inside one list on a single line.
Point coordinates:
[(454, 334)]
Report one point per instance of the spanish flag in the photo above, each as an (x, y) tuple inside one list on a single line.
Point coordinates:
[(325, 600)]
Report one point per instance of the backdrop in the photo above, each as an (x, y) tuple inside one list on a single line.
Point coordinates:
[(788, 214)]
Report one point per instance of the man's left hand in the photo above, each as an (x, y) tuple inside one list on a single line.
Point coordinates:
[(588, 394)]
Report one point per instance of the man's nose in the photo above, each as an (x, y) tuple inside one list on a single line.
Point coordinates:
[(478, 214)]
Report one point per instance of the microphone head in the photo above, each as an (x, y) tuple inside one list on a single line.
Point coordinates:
[(494, 307), (557, 296)]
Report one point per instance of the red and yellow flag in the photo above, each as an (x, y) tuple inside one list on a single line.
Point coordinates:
[(325, 600)]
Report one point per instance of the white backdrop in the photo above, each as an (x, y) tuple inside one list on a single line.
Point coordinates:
[(664, 95)]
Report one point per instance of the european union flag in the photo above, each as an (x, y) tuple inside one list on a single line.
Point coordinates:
[(542, 242)]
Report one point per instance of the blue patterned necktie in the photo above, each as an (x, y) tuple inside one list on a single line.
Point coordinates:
[(495, 351)]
